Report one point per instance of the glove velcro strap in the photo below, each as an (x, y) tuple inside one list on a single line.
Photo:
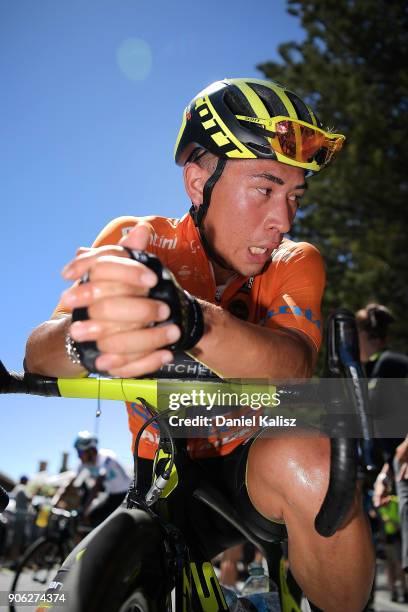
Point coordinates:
[(185, 311)]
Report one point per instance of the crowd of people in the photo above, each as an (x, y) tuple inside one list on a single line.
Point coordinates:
[(387, 495), (94, 489)]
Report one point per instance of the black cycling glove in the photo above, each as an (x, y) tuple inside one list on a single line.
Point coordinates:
[(185, 311)]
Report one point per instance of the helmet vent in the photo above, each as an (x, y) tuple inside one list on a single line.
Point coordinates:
[(301, 109), (237, 102), (271, 100)]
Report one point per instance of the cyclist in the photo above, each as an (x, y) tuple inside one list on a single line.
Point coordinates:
[(107, 474), (247, 147)]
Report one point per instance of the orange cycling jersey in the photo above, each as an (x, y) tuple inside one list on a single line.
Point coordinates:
[(287, 294)]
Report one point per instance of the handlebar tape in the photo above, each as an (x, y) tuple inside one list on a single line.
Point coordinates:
[(343, 361)]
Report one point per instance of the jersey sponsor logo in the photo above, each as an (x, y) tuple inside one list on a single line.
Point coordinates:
[(194, 246), (194, 369), (294, 310), (163, 242)]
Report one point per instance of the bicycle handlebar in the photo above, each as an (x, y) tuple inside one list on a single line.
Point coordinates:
[(343, 359)]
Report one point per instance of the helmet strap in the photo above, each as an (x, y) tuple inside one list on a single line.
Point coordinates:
[(198, 214)]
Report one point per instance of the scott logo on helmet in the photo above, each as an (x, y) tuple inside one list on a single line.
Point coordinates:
[(210, 122)]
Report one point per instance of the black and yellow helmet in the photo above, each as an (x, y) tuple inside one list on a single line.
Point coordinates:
[(254, 118)]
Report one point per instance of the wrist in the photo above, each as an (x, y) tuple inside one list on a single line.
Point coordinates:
[(73, 354), (72, 350)]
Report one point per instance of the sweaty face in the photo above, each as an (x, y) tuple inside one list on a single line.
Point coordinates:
[(252, 205)]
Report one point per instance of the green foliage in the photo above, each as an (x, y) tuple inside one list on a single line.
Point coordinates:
[(351, 68)]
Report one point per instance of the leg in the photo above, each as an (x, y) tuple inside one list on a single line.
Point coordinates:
[(228, 566), (391, 576), (287, 478), (402, 492)]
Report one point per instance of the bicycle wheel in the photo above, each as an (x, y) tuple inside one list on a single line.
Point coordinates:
[(123, 568), (35, 570)]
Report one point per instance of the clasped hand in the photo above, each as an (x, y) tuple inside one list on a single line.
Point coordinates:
[(120, 313)]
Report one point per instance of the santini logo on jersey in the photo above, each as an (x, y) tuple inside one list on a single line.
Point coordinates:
[(160, 242), (294, 310)]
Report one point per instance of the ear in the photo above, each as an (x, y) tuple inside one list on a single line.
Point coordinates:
[(195, 178)]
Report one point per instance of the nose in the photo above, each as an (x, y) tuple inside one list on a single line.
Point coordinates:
[(279, 216)]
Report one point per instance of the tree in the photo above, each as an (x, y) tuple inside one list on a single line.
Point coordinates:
[(351, 68)]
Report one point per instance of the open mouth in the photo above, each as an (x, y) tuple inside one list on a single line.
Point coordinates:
[(258, 255), (255, 250)]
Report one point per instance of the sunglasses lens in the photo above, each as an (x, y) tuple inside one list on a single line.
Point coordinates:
[(303, 143)]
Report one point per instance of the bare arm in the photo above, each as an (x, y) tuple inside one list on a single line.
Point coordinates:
[(45, 350), (120, 314), (238, 349), (382, 485)]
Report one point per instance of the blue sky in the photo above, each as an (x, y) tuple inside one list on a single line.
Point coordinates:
[(91, 103)]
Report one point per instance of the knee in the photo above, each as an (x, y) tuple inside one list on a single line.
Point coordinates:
[(294, 470)]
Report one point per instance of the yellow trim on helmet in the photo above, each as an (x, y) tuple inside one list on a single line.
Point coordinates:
[(311, 113), (289, 107), (224, 135), (181, 130), (275, 88), (254, 100)]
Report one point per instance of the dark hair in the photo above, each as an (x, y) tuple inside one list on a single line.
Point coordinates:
[(375, 319)]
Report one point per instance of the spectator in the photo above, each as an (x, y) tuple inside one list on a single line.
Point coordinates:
[(374, 322), (389, 516), (22, 500)]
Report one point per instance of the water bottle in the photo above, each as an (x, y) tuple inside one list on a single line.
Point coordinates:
[(262, 602), (230, 595), (259, 591), (237, 604), (257, 581)]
